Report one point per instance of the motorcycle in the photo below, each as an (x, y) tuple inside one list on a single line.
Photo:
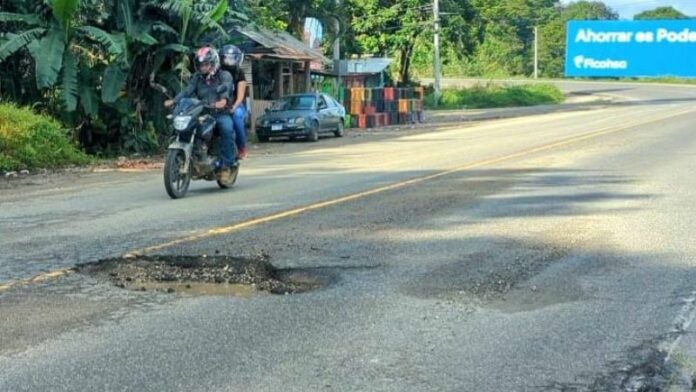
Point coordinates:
[(194, 150)]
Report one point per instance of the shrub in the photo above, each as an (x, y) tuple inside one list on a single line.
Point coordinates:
[(29, 141)]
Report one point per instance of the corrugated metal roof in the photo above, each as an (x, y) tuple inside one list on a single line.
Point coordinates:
[(278, 45), (372, 65)]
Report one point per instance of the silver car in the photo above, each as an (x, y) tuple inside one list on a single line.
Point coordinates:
[(306, 115)]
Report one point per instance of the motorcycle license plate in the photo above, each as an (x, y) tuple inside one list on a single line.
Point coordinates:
[(276, 127)]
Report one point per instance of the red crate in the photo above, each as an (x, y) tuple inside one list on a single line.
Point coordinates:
[(362, 121)]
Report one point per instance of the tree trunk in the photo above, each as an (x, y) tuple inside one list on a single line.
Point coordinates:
[(405, 64)]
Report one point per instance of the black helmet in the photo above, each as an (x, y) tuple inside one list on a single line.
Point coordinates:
[(231, 56), (207, 55)]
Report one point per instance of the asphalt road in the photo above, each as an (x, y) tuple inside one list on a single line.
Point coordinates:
[(547, 252)]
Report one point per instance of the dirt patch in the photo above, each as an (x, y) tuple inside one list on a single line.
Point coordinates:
[(202, 275), (147, 163)]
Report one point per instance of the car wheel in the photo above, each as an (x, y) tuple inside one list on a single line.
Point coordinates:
[(339, 130), (313, 133)]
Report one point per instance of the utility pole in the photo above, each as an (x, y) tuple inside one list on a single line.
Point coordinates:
[(337, 52), (536, 52), (436, 44)]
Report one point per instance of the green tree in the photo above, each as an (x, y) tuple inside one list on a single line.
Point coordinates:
[(500, 53), (588, 10), (271, 14), (392, 29), (552, 41), (661, 13), (509, 26), (290, 15), (459, 38)]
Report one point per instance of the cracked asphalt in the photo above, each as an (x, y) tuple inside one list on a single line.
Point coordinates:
[(544, 252)]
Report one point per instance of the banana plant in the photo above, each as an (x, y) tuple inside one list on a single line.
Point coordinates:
[(61, 47), (193, 23)]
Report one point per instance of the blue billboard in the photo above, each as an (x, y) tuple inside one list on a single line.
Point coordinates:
[(648, 48)]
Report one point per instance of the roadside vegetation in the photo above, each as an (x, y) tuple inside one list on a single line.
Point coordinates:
[(29, 140), (496, 96)]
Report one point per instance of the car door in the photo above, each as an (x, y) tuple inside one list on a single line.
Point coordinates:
[(333, 112), (324, 113)]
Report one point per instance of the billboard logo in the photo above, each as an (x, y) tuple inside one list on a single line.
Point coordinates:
[(583, 62), (578, 61)]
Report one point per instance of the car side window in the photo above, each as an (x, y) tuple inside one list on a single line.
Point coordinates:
[(322, 103), (329, 101)]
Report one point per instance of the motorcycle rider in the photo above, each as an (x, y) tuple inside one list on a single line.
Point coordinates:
[(232, 58), (204, 85)]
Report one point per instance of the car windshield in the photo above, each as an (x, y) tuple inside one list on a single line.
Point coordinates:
[(295, 102)]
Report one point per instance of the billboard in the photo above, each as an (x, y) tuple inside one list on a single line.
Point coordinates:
[(647, 48)]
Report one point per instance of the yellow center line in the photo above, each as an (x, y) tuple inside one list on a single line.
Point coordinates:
[(343, 199), (36, 279)]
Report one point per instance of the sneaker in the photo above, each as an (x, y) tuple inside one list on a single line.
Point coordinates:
[(242, 153)]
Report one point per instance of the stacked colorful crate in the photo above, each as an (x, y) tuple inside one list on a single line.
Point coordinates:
[(388, 105), (377, 107)]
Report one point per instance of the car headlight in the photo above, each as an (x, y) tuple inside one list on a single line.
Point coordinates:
[(297, 121), (262, 122), (181, 122)]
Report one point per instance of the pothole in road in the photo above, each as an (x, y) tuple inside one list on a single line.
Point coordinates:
[(202, 275)]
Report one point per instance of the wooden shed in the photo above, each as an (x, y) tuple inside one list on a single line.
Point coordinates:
[(277, 64)]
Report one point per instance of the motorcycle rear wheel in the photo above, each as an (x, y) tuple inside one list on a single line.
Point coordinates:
[(175, 181), (233, 178)]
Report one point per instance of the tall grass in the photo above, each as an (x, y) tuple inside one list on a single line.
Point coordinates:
[(496, 96)]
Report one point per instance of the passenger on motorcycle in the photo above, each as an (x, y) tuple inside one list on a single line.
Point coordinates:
[(232, 58), (204, 86)]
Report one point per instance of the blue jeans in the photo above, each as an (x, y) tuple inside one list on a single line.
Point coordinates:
[(225, 127), (238, 119)]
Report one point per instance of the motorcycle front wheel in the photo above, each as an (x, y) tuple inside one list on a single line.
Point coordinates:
[(176, 181)]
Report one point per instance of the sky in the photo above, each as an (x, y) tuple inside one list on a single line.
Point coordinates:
[(315, 29), (628, 8)]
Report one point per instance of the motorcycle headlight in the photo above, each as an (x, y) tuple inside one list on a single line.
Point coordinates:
[(181, 122)]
